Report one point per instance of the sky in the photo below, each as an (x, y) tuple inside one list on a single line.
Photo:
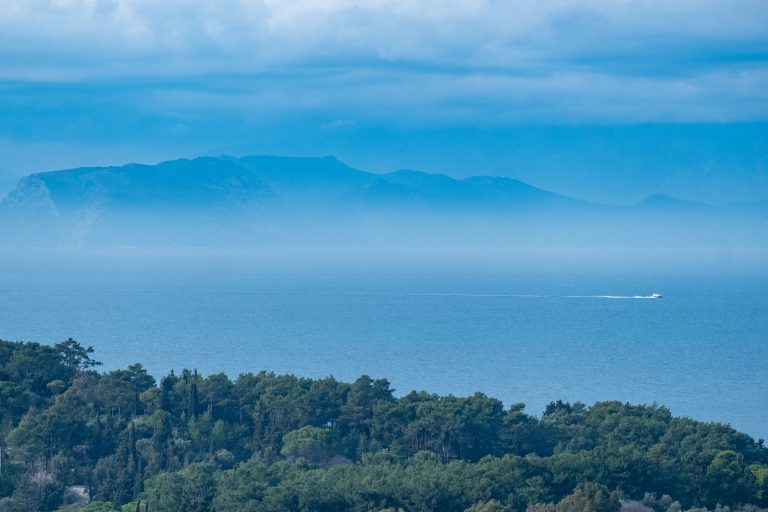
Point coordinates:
[(608, 100)]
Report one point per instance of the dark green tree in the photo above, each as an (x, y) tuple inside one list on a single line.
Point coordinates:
[(74, 356)]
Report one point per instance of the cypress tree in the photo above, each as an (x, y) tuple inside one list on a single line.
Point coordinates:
[(166, 390), (194, 404), (123, 467)]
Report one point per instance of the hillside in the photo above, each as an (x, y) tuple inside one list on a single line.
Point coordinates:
[(263, 201), (284, 443), (8, 181)]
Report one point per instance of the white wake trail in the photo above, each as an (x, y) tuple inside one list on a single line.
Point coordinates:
[(611, 297), (475, 295)]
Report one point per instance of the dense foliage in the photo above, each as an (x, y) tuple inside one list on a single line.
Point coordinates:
[(277, 442)]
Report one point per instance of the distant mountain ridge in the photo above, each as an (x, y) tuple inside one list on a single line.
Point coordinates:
[(267, 199), (8, 181)]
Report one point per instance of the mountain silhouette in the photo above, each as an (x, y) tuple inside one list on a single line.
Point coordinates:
[(258, 200)]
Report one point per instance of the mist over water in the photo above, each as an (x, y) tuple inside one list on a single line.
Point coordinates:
[(530, 326)]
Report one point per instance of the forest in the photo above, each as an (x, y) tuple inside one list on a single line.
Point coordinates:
[(73, 438)]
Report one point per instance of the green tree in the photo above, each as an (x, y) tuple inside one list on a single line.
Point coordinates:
[(729, 480), (313, 444), (357, 411), (37, 492), (194, 402), (590, 497), (75, 356), (198, 487), (489, 506), (118, 474)]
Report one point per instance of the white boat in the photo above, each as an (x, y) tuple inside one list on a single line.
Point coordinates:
[(655, 296)]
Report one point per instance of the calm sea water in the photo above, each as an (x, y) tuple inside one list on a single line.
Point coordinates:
[(530, 336)]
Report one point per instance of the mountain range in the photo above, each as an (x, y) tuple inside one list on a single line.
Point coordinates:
[(267, 200), (8, 180)]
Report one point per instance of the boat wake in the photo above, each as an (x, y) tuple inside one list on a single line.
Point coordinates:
[(479, 295), (652, 296)]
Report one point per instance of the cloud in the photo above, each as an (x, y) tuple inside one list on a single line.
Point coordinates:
[(464, 32), (478, 62)]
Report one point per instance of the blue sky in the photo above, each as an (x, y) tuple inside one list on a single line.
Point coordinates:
[(605, 99)]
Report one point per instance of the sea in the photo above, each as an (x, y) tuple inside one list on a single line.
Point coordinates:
[(529, 330)]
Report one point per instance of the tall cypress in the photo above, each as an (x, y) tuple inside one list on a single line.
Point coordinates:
[(194, 404), (166, 390), (124, 464)]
